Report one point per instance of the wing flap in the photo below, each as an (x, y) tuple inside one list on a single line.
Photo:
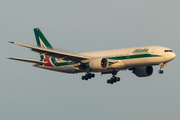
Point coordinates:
[(54, 53), (27, 60)]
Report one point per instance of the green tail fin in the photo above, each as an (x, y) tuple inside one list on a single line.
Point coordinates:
[(41, 39), (43, 43)]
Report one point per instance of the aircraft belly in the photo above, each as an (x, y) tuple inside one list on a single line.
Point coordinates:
[(65, 69), (68, 69), (120, 65), (143, 61)]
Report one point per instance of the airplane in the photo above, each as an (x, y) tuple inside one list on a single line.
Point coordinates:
[(137, 59)]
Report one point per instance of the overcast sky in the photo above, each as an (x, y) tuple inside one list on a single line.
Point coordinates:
[(29, 93)]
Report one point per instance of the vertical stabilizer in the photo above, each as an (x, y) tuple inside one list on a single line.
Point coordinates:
[(43, 43), (41, 39)]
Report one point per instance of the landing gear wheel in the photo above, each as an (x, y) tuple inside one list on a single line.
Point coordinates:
[(115, 79), (83, 77), (89, 76), (86, 77), (108, 81), (118, 79), (92, 75), (161, 71)]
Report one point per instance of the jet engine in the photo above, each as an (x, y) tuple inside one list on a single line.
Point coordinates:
[(143, 71), (98, 63)]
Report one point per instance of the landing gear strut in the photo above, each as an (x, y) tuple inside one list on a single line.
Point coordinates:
[(88, 76), (113, 79)]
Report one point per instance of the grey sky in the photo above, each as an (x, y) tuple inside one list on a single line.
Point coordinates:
[(29, 93)]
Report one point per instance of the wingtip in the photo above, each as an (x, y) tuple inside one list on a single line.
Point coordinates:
[(36, 28), (9, 58), (11, 42)]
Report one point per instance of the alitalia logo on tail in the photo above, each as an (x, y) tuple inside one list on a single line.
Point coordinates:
[(45, 58), (41, 43), (48, 59)]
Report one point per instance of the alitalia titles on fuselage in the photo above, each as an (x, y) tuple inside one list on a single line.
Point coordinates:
[(140, 50)]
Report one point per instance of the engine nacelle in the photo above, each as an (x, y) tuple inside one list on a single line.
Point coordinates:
[(98, 63), (143, 71)]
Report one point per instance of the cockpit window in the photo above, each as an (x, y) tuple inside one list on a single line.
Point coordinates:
[(167, 50)]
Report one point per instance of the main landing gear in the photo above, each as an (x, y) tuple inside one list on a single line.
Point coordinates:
[(114, 79), (161, 68), (88, 76)]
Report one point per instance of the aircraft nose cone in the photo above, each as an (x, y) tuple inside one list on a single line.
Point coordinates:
[(173, 55), (170, 56)]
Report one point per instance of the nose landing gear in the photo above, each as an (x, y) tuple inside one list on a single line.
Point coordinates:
[(161, 68), (160, 71), (88, 76)]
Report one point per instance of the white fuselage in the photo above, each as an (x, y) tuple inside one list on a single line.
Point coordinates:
[(125, 58)]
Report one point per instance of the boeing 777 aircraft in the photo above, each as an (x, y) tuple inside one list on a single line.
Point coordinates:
[(138, 59)]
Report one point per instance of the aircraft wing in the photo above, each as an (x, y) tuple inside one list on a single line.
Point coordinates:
[(54, 53)]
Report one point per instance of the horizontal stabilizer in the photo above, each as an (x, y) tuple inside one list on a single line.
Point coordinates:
[(28, 60)]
